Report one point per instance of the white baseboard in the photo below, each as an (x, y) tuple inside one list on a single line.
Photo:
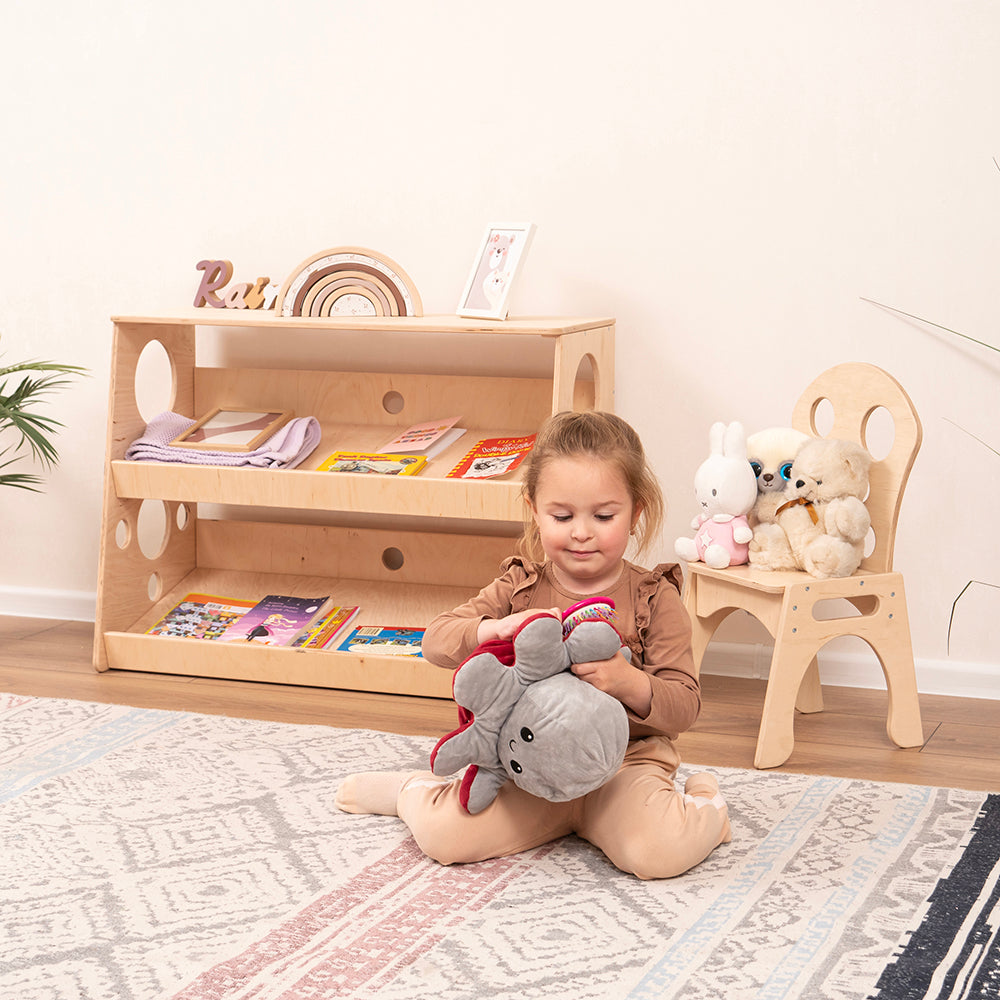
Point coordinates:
[(840, 668), (69, 605)]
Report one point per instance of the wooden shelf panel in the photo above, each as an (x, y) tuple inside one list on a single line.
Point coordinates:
[(396, 577), (352, 408), (382, 602), (310, 668), (492, 500), (349, 407), (534, 326)]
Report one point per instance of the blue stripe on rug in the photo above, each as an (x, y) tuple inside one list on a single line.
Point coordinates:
[(856, 886), (773, 852), (28, 772), (777, 848)]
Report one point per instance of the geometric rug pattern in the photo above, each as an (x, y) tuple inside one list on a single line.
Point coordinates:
[(152, 854)]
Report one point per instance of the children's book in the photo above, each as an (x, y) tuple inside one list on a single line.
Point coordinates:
[(373, 463), (493, 457), (428, 439), (326, 628), (201, 616), (275, 620), (384, 640)]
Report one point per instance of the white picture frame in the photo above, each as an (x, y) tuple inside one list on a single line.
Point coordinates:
[(498, 263)]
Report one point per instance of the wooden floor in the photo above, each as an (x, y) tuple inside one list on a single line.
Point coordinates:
[(962, 736)]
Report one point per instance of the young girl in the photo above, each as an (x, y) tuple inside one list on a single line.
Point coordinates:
[(589, 488)]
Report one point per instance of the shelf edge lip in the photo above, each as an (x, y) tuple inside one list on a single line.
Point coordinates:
[(207, 484), (551, 326), (413, 676)]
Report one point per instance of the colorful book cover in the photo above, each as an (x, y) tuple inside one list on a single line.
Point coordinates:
[(275, 620), (428, 439), (493, 457), (384, 640), (326, 628), (373, 463), (201, 616)]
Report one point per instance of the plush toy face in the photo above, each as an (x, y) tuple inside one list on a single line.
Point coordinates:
[(563, 738), (827, 468), (770, 453), (724, 482)]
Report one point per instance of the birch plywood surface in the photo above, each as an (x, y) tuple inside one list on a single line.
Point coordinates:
[(396, 577)]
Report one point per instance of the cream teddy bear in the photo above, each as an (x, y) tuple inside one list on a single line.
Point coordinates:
[(823, 526), (770, 453)]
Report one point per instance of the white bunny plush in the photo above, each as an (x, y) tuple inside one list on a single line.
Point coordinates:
[(726, 488)]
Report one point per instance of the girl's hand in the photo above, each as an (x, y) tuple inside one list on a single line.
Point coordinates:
[(618, 678), (504, 628)]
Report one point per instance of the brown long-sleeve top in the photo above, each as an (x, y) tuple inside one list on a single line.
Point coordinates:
[(651, 618)]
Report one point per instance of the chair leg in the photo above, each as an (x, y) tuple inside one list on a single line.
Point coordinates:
[(810, 696), (895, 653), (702, 630), (776, 737)]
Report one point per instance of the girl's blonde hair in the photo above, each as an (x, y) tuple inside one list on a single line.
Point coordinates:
[(602, 436)]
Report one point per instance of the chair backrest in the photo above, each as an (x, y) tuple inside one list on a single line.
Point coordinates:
[(854, 392)]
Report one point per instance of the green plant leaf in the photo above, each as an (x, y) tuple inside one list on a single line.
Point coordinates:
[(34, 431)]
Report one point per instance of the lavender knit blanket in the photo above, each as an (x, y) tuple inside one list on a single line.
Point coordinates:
[(284, 449)]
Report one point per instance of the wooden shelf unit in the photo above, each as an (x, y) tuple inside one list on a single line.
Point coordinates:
[(398, 575)]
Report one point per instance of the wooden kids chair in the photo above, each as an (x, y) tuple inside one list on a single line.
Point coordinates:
[(788, 603)]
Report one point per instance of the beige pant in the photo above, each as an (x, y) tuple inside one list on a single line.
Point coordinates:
[(639, 819)]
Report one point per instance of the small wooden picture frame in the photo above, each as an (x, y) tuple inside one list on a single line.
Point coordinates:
[(497, 265), (232, 428)]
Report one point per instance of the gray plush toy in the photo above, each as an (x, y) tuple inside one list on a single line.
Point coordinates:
[(526, 717)]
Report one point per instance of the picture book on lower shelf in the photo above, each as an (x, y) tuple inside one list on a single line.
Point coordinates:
[(373, 463), (200, 616), (275, 620), (323, 633), (384, 640), (493, 457)]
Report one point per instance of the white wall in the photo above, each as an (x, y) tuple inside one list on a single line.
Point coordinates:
[(726, 179)]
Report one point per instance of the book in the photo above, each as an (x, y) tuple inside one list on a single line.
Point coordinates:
[(384, 640), (326, 628), (373, 463), (275, 620), (201, 616), (428, 439), (493, 457)]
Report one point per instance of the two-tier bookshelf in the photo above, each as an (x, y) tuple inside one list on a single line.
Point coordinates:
[(421, 545)]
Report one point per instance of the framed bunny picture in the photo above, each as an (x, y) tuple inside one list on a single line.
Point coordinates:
[(496, 267)]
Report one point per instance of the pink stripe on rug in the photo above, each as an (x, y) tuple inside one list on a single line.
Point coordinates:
[(362, 934)]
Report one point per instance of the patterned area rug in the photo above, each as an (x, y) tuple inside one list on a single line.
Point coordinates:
[(150, 854)]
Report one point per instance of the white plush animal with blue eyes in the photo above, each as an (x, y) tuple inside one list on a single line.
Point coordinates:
[(771, 453)]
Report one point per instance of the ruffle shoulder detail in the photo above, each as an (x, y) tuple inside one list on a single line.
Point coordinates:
[(522, 574), (649, 584)]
